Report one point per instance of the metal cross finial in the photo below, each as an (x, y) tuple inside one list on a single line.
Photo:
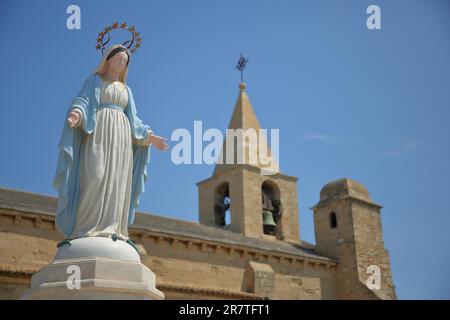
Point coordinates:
[(241, 66)]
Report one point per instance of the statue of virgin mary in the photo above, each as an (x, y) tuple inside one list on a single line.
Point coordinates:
[(103, 154)]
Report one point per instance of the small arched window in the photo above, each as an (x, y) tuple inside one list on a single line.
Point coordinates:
[(333, 220)]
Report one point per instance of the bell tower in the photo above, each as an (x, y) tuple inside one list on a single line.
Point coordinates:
[(348, 227), (250, 197)]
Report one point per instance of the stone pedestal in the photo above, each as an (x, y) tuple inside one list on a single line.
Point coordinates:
[(95, 268)]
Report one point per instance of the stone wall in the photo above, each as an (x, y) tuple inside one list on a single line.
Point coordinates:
[(185, 268)]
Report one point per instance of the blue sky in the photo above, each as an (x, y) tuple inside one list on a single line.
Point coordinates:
[(372, 105)]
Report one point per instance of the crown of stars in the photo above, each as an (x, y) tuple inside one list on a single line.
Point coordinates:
[(134, 43)]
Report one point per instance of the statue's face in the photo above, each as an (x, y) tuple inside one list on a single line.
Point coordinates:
[(118, 62)]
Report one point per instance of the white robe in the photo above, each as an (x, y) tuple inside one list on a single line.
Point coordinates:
[(106, 169)]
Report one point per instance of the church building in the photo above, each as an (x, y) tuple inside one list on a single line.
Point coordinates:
[(246, 244)]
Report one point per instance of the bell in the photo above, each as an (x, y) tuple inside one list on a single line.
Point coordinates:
[(268, 219)]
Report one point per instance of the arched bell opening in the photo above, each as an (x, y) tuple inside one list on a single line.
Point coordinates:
[(271, 208), (222, 204)]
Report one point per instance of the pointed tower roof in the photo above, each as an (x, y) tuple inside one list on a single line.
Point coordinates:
[(244, 117)]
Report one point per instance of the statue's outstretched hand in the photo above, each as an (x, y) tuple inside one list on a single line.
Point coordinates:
[(158, 142), (73, 119)]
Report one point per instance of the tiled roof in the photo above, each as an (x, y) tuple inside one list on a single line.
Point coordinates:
[(43, 204)]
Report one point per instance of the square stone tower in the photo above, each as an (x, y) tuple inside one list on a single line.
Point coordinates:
[(348, 227), (242, 187)]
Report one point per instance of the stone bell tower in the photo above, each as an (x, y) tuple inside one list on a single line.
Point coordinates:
[(239, 190), (348, 227)]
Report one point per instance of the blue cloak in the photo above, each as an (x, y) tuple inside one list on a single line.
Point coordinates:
[(67, 177)]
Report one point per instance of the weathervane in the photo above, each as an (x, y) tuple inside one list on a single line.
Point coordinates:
[(241, 66)]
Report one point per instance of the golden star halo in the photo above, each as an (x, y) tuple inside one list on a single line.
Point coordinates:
[(136, 39)]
